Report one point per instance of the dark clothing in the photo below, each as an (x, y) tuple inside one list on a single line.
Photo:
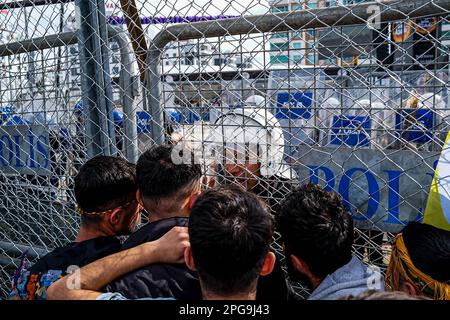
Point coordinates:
[(32, 283), (158, 280), (78, 254), (273, 190), (273, 286), (176, 280)]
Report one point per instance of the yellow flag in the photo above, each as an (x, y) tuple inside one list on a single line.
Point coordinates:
[(437, 212)]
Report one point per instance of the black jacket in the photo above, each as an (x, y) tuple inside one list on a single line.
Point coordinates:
[(158, 280), (32, 283), (273, 287), (77, 254), (176, 280), (273, 190)]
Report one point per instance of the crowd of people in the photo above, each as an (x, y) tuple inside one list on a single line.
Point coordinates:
[(218, 243)]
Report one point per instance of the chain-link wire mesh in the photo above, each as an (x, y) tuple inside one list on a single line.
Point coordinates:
[(347, 94)]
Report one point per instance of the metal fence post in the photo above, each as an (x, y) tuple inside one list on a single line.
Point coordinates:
[(127, 85), (95, 80), (154, 94)]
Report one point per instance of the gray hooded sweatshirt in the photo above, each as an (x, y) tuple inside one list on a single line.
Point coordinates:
[(353, 278)]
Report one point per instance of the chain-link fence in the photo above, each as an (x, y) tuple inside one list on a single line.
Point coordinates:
[(347, 94), (43, 132)]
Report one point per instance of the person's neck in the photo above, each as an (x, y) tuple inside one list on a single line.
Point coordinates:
[(87, 233), (315, 282), (153, 217), (239, 296)]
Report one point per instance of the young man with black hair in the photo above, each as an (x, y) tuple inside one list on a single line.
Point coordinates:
[(317, 234), (270, 190), (230, 232), (167, 191), (105, 191), (420, 262)]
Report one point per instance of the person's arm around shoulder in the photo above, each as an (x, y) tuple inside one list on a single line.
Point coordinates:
[(85, 283)]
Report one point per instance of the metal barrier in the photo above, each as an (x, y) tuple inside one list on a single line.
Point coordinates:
[(279, 22), (358, 90)]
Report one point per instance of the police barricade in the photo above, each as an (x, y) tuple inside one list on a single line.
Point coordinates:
[(381, 194)]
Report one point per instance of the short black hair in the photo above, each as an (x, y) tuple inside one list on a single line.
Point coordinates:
[(104, 183), (230, 232), (159, 177), (429, 249), (316, 227)]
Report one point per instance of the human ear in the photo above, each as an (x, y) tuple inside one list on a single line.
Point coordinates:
[(189, 259), (115, 217), (299, 265), (193, 198), (139, 198), (268, 264)]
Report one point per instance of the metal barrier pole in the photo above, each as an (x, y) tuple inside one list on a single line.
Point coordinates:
[(30, 3), (275, 22), (154, 94), (36, 44), (128, 82), (18, 249), (97, 93)]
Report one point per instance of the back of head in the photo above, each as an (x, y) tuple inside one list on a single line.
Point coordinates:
[(429, 249), (316, 227), (162, 183), (104, 183), (230, 232)]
